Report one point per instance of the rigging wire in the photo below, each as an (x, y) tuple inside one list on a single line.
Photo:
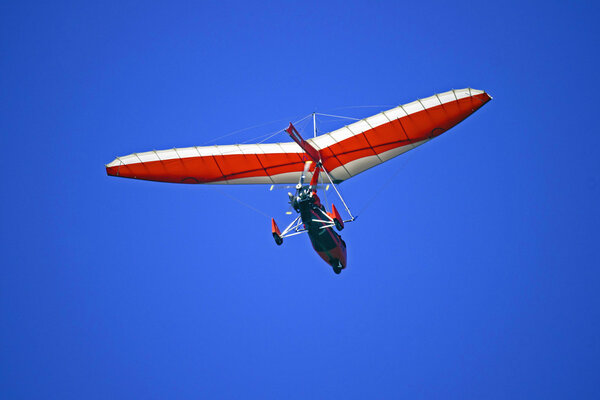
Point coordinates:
[(257, 126), (241, 202), (268, 135), (386, 183), (374, 106), (279, 131), (337, 116), (244, 129)]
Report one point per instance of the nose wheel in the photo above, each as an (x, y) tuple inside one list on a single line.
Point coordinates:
[(338, 269)]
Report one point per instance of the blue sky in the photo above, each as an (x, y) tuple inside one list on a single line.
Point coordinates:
[(473, 275)]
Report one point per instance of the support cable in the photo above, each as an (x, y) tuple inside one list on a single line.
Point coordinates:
[(241, 202), (385, 184), (253, 127), (374, 106), (270, 135), (339, 194), (338, 116), (243, 130)]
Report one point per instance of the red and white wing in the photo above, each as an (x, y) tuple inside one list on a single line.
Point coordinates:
[(344, 152), (233, 164)]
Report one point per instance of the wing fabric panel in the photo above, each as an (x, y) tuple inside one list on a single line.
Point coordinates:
[(345, 152)]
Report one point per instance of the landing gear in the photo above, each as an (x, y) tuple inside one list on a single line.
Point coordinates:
[(278, 239)]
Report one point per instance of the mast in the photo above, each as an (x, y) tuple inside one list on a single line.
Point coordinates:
[(315, 123)]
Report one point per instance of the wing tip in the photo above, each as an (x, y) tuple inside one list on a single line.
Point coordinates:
[(111, 171)]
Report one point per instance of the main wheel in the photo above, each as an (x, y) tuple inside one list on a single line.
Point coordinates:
[(278, 239), (338, 224)]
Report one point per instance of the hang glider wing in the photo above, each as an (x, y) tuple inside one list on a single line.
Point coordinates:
[(235, 164), (344, 152)]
